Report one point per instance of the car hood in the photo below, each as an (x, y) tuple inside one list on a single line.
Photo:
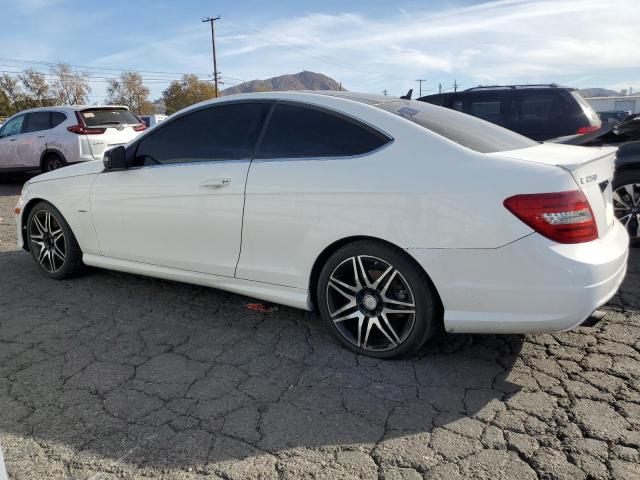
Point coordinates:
[(79, 169)]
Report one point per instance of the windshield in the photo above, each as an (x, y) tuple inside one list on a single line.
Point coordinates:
[(465, 130), (108, 116)]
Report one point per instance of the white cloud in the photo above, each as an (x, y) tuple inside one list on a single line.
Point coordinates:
[(502, 41)]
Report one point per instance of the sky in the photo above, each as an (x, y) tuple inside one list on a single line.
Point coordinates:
[(368, 46)]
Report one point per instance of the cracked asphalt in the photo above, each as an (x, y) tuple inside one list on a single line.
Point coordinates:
[(112, 376)]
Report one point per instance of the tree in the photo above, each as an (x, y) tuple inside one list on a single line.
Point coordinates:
[(37, 91), (187, 91), (69, 86), (129, 91), (10, 94)]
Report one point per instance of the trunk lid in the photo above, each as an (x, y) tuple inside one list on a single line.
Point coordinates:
[(112, 137), (592, 169)]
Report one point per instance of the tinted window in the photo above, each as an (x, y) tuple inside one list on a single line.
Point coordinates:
[(108, 116), (57, 118), (37, 121), (12, 127), (468, 131), (538, 106), (224, 132), (296, 131), (489, 106)]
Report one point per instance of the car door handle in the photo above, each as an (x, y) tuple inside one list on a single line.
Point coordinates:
[(13, 139), (216, 182), (41, 136)]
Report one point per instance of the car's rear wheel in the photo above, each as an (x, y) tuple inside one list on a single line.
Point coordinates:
[(52, 162), (52, 243), (376, 300), (626, 203)]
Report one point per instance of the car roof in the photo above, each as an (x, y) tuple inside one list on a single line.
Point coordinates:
[(72, 108)]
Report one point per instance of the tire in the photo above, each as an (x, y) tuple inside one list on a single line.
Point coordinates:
[(51, 242), (626, 202), (52, 162), (396, 304)]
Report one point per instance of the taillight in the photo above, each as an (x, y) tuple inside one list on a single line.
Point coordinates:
[(564, 217), (140, 127), (84, 130), (589, 129)]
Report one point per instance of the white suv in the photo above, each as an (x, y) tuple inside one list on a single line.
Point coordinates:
[(49, 138)]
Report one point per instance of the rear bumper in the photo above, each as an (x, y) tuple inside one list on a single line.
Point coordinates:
[(532, 285)]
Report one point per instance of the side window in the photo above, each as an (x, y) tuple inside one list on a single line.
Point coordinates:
[(223, 132), (296, 131), (12, 127), (487, 106), (537, 107), (57, 118), (37, 121)]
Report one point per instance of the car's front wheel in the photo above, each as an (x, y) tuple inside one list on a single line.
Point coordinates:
[(626, 202), (376, 300), (52, 243)]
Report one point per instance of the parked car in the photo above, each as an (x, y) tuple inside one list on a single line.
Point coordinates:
[(626, 189), (613, 116), (153, 120), (48, 138), (540, 112), (629, 128), (393, 217)]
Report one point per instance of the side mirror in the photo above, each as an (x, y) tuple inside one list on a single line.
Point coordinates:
[(114, 159)]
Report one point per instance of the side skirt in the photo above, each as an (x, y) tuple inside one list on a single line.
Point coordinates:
[(292, 297)]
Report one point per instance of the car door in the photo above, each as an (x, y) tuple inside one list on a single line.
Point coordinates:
[(301, 183), (33, 141), (180, 203), (9, 135)]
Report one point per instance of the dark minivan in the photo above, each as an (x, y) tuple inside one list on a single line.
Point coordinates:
[(540, 112)]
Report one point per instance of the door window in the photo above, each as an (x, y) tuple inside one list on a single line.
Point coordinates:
[(223, 132), (12, 127), (296, 131), (37, 121)]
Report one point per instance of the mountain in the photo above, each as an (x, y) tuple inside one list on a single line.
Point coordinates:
[(598, 92), (297, 81)]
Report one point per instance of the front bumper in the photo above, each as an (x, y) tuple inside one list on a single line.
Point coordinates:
[(532, 285)]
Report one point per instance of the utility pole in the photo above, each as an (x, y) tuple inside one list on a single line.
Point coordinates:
[(420, 80), (213, 44), (384, 92), (439, 88), (455, 85)]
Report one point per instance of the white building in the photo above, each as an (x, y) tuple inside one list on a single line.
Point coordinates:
[(628, 103)]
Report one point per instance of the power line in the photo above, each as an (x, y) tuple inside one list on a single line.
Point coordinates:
[(87, 67), (420, 80)]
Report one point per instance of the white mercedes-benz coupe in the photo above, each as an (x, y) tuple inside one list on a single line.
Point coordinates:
[(392, 217)]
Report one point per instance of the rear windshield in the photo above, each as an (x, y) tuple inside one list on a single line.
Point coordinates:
[(108, 116), (586, 108), (465, 130)]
